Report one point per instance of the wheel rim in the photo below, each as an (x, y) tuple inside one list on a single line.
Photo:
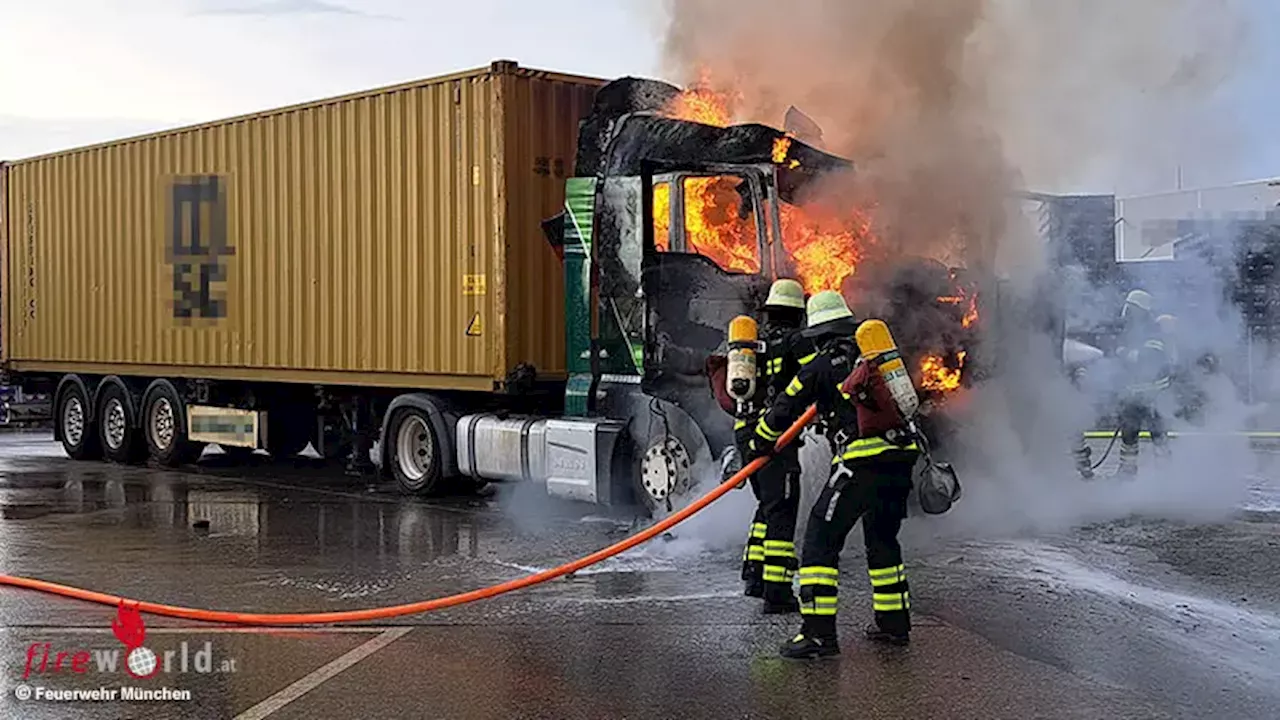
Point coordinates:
[(161, 424), (665, 471), (415, 451), (73, 421), (114, 424)]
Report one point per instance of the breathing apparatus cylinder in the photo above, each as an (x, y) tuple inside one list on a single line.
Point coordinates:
[(878, 347), (937, 485), (740, 378)]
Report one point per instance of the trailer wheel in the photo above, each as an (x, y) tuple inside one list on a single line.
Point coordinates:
[(165, 427), (117, 427), (75, 425), (413, 452)]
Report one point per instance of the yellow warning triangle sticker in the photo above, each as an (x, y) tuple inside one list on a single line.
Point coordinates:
[(474, 327)]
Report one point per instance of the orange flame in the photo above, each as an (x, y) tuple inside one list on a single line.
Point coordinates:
[(702, 103), (713, 226), (128, 626), (935, 375), (662, 216), (824, 249), (971, 315), (780, 148)]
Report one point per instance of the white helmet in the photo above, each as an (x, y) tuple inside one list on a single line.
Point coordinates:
[(1140, 299)]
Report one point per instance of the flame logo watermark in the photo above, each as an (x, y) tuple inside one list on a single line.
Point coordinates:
[(139, 661)]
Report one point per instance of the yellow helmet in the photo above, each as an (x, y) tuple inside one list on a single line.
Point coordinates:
[(829, 314), (785, 293), (1167, 323)]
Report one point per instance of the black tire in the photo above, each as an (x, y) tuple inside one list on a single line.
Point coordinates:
[(164, 427), (288, 432), (413, 453), (118, 430), (76, 425)]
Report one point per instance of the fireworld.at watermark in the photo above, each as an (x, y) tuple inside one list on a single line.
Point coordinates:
[(44, 660)]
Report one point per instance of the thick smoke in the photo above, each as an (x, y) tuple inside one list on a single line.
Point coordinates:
[(948, 110)]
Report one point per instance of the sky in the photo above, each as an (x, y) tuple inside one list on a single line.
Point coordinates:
[(83, 71)]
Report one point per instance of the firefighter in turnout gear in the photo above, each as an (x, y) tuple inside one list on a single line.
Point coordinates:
[(769, 560), (870, 479), (1147, 367)]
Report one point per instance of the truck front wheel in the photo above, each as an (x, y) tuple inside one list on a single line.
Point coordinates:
[(413, 452), (666, 472)]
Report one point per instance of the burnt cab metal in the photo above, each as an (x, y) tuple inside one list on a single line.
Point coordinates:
[(649, 292)]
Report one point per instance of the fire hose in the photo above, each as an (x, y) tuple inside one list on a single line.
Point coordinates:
[(379, 613)]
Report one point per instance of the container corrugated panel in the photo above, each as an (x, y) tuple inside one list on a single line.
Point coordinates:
[(386, 238), (4, 262), (540, 156)]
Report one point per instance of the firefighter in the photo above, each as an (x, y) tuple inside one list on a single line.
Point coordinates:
[(870, 479), (1147, 365), (769, 560)]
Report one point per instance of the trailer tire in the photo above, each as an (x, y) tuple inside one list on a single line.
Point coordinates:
[(118, 427), (75, 423), (414, 453), (164, 425)]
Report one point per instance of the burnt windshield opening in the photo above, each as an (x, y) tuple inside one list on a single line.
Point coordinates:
[(716, 216)]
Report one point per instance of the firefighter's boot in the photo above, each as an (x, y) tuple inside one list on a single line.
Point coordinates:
[(875, 633), (753, 562), (1084, 460), (779, 600), (816, 639), (779, 570), (1128, 460), (753, 578)]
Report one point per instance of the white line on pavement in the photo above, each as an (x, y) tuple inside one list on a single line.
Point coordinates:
[(317, 677)]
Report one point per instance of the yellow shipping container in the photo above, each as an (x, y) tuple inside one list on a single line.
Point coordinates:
[(388, 238)]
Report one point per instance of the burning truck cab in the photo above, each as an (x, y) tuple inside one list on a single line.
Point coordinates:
[(673, 226)]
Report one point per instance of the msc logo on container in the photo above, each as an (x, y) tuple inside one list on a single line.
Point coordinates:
[(197, 247)]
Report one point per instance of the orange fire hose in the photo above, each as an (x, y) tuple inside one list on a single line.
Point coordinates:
[(352, 616)]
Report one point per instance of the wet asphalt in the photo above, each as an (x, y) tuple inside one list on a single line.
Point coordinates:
[(1130, 619)]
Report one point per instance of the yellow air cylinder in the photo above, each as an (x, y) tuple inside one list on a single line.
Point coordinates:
[(878, 346), (743, 344)]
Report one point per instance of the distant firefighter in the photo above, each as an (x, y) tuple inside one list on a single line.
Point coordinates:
[(1147, 366)]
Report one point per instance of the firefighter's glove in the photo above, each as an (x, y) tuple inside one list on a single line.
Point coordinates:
[(758, 447)]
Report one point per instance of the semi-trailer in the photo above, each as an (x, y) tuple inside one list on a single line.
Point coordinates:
[(487, 276)]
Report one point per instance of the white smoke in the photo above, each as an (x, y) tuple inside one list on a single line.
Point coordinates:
[(949, 109)]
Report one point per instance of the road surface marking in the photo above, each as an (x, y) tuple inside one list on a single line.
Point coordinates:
[(318, 677)]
